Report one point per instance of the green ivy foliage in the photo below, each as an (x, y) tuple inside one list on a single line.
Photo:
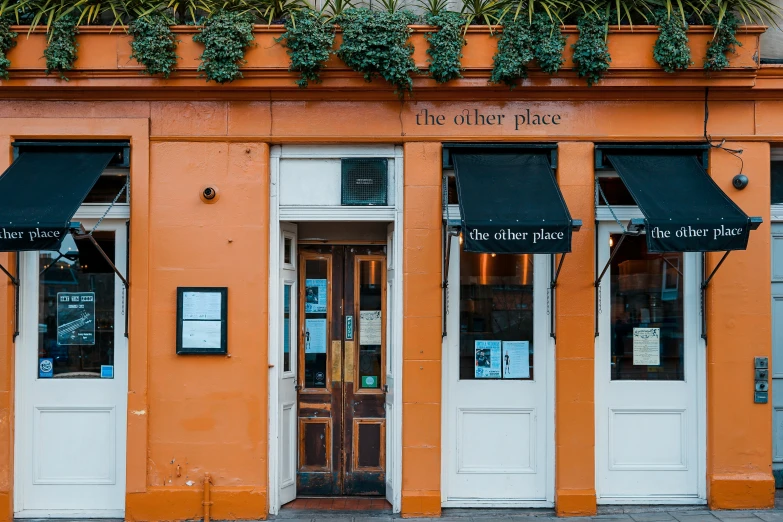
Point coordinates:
[(671, 49), (722, 44), (308, 39), (225, 35), (154, 44), (591, 52), (515, 52), (445, 46), (7, 42), (60, 53), (549, 43), (375, 43)]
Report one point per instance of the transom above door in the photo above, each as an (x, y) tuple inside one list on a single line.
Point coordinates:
[(341, 381)]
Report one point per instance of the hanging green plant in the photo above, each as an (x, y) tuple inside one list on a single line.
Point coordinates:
[(723, 43), (445, 46), (7, 42), (591, 52), (548, 43), (225, 35), (60, 53), (671, 49), (154, 44), (308, 39), (515, 52), (375, 43)]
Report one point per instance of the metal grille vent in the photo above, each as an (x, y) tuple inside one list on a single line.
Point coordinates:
[(364, 181)]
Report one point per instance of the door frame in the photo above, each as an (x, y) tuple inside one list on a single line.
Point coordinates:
[(608, 218), (119, 212), (389, 214), (450, 345)]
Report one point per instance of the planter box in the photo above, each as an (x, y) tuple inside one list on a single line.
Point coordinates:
[(105, 53)]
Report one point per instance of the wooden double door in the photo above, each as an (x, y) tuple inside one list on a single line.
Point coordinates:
[(342, 368)]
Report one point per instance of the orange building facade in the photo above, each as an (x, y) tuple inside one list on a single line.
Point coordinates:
[(273, 155)]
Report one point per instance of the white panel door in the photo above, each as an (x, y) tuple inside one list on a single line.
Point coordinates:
[(777, 348), (392, 458), (648, 421), (497, 437), (287, 395), (72, 380)]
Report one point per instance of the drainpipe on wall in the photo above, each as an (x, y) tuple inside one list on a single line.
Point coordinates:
[(206, 503)]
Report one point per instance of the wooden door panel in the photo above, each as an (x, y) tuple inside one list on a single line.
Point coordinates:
[(342, 413)]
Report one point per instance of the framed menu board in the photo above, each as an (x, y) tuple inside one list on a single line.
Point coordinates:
[(202, 325)]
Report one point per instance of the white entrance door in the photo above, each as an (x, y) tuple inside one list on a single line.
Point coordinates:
[(777, 349), (287, 407), (393, 458), (649, 375), (72, 380), (498, 440)]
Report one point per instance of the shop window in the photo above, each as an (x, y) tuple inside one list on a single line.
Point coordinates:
[(287, 328), (370, 302), (496, 316), (111, 182), (614, 190), (777, 182), (76, 308), (314, 362), (646, 301)]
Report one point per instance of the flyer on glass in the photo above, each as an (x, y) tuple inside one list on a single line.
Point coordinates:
[(315, 336), (516, 359), (201, 334), (370, 327), (487, 359), (201, 306), (315, 296), (75, 318), (646, 346)]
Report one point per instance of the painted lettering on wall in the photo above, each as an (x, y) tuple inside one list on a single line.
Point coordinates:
[(477, 118)]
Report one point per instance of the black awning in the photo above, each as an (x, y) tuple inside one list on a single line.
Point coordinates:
[(510, 203), (39, 194), (684, 209)]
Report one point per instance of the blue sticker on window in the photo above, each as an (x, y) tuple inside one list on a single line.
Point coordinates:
[(45, 368), (107, 371)]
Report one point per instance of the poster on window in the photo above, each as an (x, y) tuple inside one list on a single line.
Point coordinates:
[(75, 318), (487, 359), (646, 346), (315, 296), (315, 336), (516, 359), (370, 327)]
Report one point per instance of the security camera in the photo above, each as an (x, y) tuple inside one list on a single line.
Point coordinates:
[(740, 181), (209, 194)]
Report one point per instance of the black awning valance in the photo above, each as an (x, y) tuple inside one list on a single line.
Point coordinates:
[(684, 209), (39, 194), (510, 203)]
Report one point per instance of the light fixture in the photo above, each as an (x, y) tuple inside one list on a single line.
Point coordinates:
[(493, 254), (611, 242), (460, 238)]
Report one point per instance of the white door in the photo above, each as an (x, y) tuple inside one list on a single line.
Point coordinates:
[(649, 375), (498, 440), (392, 426), (777, 348), (72, 380), (287, 412)]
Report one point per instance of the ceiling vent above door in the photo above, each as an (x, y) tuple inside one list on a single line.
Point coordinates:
[(365, 181)]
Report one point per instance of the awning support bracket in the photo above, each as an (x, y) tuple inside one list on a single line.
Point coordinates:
[(705, 282), (552, 286), (14, 281)]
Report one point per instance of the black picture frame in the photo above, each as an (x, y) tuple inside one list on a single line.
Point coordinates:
[(223, 348)]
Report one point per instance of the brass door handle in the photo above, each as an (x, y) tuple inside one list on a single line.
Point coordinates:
[(337, 360)]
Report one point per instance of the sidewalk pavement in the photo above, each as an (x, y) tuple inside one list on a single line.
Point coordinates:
[(605, 514)]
